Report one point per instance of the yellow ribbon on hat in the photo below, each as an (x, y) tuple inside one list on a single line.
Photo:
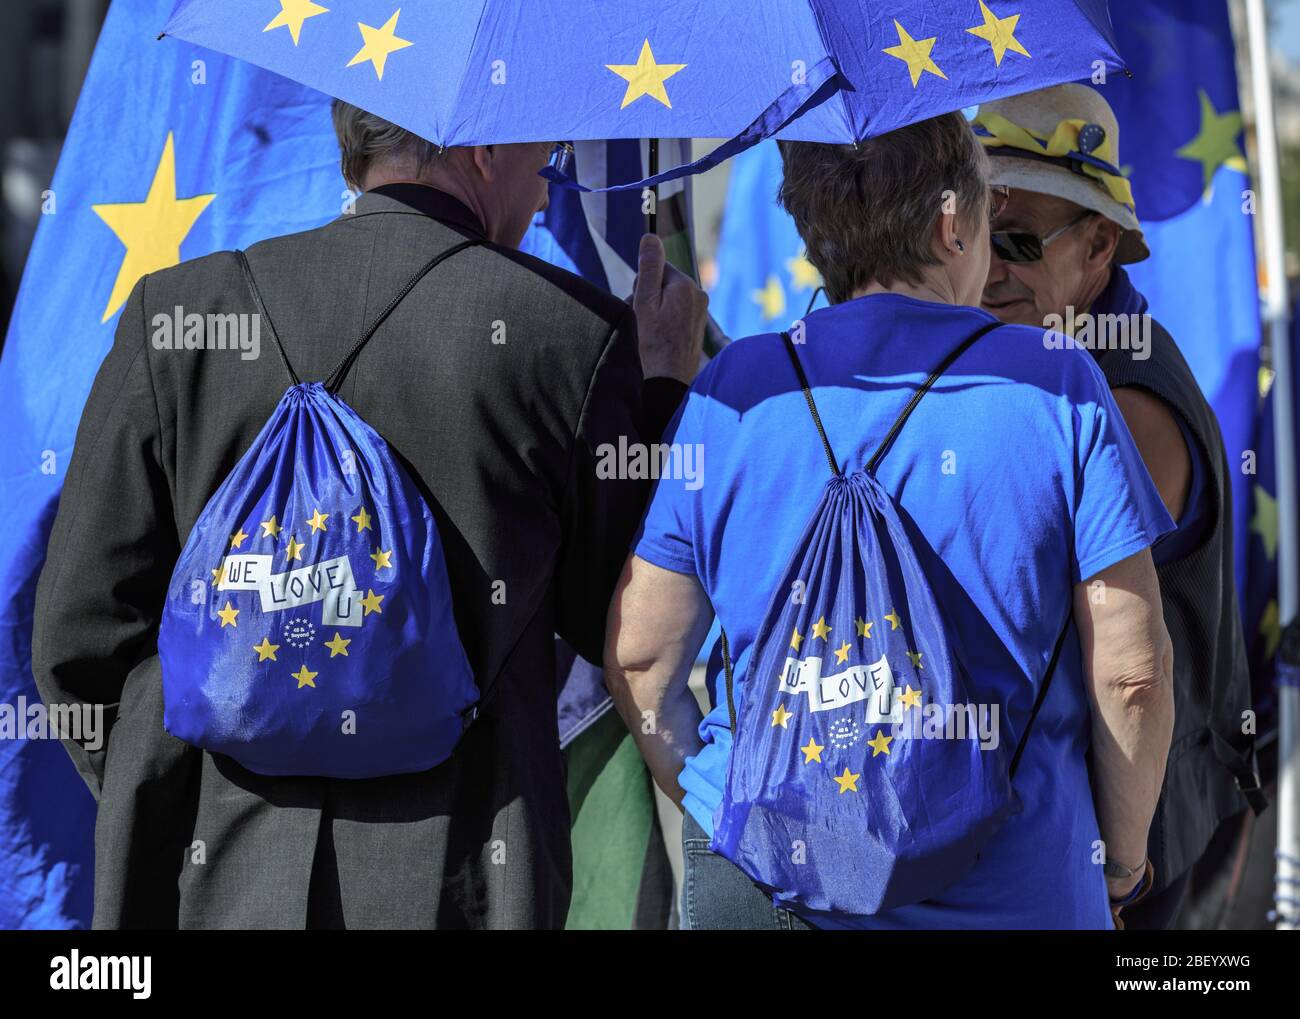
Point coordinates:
[(1003, 133)]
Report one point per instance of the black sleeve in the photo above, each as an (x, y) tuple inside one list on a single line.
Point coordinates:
[(112, 549), (660, 398), (603, 506)]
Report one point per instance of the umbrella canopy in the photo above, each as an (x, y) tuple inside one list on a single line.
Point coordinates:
[(477, 72)]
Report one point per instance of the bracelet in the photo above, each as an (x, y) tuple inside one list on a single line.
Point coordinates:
[(1140, 890)]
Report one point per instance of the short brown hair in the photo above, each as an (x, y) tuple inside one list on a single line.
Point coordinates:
[(365, 138), (865, 211)]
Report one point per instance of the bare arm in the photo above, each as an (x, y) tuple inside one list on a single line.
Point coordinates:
[(657, 622), (1128, 672), (1160, 441)]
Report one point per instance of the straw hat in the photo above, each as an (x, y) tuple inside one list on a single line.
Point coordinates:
[(1063, 141)]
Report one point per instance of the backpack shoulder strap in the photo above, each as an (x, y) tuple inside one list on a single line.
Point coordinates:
[(335, 378), (1042, 694), (897, 426)]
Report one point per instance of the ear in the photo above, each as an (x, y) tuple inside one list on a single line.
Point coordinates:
[(1103, 239), (947, 232)]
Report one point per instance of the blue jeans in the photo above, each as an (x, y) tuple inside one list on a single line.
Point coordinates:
[(718, 895)]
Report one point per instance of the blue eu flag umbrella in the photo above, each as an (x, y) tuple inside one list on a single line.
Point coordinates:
[(493, 71), (198, 154)]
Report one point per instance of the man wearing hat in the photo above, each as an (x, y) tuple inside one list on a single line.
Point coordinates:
[(1059, 248)]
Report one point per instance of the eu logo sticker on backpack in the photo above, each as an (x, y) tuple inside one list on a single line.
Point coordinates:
[(835, 800), (308, 626)]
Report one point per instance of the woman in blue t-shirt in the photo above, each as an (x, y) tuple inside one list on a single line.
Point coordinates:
[(1019, 474)]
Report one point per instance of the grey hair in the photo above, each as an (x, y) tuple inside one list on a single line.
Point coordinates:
[(865, 212), (366, 140)]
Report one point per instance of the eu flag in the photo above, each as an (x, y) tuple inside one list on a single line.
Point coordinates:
[(173, 152)]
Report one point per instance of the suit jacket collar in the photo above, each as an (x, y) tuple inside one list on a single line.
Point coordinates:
[(421, 199)]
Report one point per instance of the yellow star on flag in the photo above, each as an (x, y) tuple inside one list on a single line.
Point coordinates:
[(893, 620), (339, 645), (317, 521), (218, 575), (915, 658), (880, 745), (915, 53), (1270, 629), (270, 529), (292, 14), (848, 782), (151, 230), (910, 698), (371, 602), (1215, 145), (645, 77), (228, 615), (266, 650), (842, 653), (820, 629), (362, 520), (771, 299), (803, 274), (304, 676), (999, 33), (812, 752), (379, 42), (796, 639), (293, 550), (1264, 522), (237, 538), (382, 559), (864, 628), (780, 717)]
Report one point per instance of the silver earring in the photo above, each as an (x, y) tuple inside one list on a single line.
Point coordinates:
[(961, 246)]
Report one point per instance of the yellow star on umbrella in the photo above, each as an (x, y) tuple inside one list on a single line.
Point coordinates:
[(228, 615), (317, 521), (864, 628), (1264, 522), (339, 645), (266, 650), (645, 77), (371, 602), (151, 230), (842, 653), (812, 752), (915, 658), (910, 698), (362, 520), (1270, 629), (238, 538), (771, 299), (780, 717), (304, 676), (292, 14), (1215, 145), (893, 620), (270, 529), (820, 629), (218, 575), (880, 745), (379, 42), (999, 33), (848, 782), (382, 559), (915, 53), (796, 639), (293, 550)]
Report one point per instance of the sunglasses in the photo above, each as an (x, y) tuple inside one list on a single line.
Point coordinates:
[(1015, 246)]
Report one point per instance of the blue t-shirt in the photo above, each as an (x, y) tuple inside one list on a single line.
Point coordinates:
[(1021, 475)]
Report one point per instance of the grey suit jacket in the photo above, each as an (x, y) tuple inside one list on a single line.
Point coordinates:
[(502, 438)]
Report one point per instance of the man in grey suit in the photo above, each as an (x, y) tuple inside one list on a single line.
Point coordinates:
[(495, 381)]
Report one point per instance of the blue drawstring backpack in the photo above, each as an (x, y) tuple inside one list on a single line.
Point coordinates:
[(308, 626), (835, 800)]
